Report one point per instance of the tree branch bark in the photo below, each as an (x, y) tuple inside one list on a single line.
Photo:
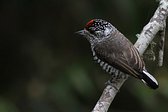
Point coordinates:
[(157, 23)]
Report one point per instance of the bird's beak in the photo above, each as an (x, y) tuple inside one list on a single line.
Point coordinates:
[(81, 32)]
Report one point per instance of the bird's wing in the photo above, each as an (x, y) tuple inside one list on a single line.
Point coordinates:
[(121, 55)]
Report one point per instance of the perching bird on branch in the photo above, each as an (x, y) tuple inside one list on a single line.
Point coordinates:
[(114, 52)]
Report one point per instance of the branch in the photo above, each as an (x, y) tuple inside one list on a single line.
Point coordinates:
[(157, 23), (161, 47)]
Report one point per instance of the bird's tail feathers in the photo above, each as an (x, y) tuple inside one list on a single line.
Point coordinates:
[(149, 80)]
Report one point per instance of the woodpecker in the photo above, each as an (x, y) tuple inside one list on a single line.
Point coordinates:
[(114, 52)]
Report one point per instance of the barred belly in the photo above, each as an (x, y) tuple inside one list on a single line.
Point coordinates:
[(108, 68)]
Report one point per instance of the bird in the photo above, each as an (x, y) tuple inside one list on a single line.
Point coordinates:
[(114, 52)]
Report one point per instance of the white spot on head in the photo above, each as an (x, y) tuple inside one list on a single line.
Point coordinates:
[(107, 31)]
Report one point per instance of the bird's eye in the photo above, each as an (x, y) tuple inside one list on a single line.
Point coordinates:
[(97, 33), (91, 30), (94, 31)]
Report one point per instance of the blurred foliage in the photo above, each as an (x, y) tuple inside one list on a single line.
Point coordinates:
[(46, 68)]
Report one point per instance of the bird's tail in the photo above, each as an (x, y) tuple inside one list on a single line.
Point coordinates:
[(149, 80)]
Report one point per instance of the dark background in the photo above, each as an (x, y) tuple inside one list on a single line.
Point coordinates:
[(46, 68)]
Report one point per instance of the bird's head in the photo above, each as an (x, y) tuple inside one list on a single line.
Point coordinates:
[(96, 30)]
